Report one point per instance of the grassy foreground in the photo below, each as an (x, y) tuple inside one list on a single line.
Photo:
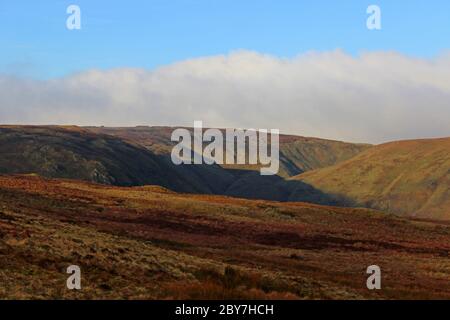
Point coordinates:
[(150, 243)]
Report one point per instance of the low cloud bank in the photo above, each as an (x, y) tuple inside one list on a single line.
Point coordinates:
[(376, 97)]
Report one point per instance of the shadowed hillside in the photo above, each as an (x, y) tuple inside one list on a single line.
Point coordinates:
[(148, 243), (297, 154), (405, 177), (75, 153), (141, 156)]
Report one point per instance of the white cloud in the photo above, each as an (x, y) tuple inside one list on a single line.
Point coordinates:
[(375, 97)]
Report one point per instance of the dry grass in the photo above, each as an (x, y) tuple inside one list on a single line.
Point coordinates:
[(411, 178), (149, 243)]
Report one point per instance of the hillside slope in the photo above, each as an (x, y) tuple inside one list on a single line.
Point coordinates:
[(150, 243), (141, 156), (297, 154), (76, 153), (411, 178)]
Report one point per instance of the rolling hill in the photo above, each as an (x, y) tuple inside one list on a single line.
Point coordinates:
[(141, 156), (297, 154), (151, 243), (411, 178), (76, 153)]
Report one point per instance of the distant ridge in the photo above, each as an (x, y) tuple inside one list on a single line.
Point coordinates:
[(141, 156), (297, 154), (410, 178)]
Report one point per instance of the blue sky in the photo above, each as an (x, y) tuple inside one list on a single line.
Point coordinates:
[(147, 34)]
